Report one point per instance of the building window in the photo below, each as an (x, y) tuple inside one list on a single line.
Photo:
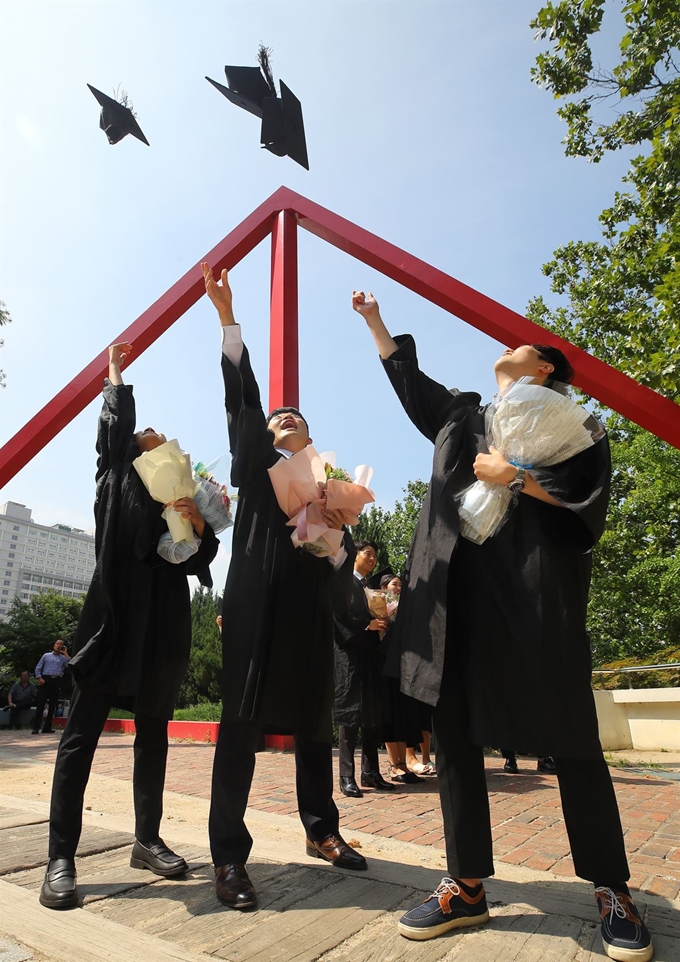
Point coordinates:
[(15, 527), (10, 564), (11, 554), (7, 582), (15, 537), (5, 591)]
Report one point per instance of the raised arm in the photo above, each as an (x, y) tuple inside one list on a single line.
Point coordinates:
[(250, 443), (369, 310), (427, 402), (220, 294), (117, 354)]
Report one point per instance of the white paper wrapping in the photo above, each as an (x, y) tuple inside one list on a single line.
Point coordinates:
[(167, 476)]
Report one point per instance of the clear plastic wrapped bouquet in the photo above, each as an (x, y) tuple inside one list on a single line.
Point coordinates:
[(531, 425), (214, 503), (306, 483)]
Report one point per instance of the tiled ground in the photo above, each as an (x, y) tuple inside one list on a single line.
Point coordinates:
[(525, 809)]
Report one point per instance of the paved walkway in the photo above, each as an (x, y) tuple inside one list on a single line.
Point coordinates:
[(399, 832)]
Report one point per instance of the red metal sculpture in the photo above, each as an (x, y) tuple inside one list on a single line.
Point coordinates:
[(280, 215)]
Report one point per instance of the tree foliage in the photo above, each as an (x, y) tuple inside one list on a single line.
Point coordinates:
[(620, 295), (393, 530), (32, 627), (203, 678), (634, 609)]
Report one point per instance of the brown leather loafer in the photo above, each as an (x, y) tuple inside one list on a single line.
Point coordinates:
[(336, 851), (233, 886)]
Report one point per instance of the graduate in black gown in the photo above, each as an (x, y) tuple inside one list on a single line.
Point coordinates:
[(277, 632), (131, 646), (494, 636)]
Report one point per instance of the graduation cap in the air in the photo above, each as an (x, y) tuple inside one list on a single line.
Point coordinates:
[(253, 89), (117, 119)]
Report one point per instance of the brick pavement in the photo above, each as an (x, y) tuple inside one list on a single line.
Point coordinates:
[(526, 816)]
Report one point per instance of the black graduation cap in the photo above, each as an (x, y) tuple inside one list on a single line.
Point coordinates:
[(117, 119), (375, 579), (252, 88)]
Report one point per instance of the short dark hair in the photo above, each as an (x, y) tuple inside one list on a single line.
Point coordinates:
[(360, 545), (562, 369), (276, 411)]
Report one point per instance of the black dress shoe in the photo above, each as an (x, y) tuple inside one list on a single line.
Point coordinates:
[(406, 778), (158, 858), (375, 780), (349, 787), (59, 890), (335, 850), (233, 886), (546, 766), (511, 766)]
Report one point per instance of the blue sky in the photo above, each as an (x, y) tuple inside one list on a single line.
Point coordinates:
[(422, 126)]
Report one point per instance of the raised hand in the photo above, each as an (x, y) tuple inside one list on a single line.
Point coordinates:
[(118, 352), (219, 293), (187, 508), (367, 306)]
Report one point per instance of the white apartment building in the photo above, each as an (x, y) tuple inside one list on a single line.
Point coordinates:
[(36, 558)]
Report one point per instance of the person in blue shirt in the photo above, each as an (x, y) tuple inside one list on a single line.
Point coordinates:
[(48, 673)]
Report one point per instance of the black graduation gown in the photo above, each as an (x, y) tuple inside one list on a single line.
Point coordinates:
[(511, 613), (134, 634), (358, 664), (277, 630)]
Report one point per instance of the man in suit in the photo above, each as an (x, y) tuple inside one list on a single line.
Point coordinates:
[(358, 668), (277, 632), (494, 635)]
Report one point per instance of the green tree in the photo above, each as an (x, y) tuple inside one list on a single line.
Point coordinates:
[(393, 530), (634, 608), (203, 678), (32, 628), (4, 319), (620, 297)]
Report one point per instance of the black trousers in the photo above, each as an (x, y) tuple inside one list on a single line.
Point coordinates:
[(49, 692), (15, 714), (370, 742), (88, 712), (233, 767), (589, 804)]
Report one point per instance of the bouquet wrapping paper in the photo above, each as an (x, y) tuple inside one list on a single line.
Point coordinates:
[(532, 426)]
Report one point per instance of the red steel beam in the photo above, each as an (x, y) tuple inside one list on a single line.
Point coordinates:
[(149, 326), (613, 388), (284, 387)]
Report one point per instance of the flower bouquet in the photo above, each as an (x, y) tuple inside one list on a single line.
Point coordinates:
[(532, 426), (213, 501), (308, 482)]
